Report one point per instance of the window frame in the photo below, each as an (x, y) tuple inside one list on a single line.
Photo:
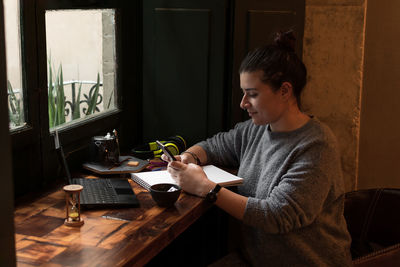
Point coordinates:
[(22, 136), (35, 136), (93, 125)]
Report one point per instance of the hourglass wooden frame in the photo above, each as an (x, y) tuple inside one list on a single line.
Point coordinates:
[(73, 205)]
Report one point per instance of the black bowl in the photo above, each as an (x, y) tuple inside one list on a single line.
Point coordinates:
[(165, 195)]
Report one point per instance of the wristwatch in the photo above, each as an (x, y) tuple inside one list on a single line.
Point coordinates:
[(211, 196)]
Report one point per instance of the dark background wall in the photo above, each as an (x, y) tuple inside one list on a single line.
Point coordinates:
[(7, 247), (380, 109), (191, 55)]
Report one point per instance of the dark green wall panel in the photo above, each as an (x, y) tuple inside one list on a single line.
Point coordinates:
[(181, 71), (183, 67), (255, 23), (191, 54)]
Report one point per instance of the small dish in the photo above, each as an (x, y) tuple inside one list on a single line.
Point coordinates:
[(165, 195)]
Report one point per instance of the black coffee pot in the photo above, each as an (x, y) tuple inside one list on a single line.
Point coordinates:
[(105, 149)]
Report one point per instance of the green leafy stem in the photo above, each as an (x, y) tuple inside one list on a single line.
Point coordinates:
[(58, 107)]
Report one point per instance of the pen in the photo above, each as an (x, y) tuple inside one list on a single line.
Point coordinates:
[(114, 218)]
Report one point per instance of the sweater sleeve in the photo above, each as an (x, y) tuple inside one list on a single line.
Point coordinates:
[(301, 193), (224, 148)]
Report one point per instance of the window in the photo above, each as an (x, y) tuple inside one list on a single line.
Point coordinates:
[(14, 66), (83, 39), (81, 64)]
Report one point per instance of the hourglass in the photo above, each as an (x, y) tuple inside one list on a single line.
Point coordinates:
[(73, 205)]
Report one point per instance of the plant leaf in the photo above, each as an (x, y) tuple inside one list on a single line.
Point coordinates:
[(50, 97), (61, 97), (12, 97), (77, 113), (93, 97)]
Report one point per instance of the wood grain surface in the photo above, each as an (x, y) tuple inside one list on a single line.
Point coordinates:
[(109, 237)]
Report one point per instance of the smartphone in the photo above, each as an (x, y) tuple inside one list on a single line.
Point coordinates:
[(166, 151)]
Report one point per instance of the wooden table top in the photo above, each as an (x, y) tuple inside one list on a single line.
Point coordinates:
[(112, 237)]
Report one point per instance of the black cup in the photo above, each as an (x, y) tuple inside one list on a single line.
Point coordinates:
[(165, 195)]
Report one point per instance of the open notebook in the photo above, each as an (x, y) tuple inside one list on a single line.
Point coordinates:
[(215, 174)]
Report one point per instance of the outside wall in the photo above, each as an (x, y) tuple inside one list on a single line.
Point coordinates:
[(333, 49)]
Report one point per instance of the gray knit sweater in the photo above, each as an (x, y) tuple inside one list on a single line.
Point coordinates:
[(294, 214)]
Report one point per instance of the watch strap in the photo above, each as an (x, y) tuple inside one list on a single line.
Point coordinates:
[(212, 195), (216, 188)]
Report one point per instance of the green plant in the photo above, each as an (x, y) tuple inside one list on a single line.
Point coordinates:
[(92, 98), (14, 107), (76, 113), (56, 98)]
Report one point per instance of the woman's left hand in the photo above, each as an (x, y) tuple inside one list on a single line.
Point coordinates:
[(191, 178)]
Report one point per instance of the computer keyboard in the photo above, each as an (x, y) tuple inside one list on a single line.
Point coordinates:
[(96, 191)]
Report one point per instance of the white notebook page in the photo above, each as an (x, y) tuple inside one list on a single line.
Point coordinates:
[(215, 174)]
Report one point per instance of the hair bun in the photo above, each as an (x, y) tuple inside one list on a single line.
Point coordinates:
[(285, 39)]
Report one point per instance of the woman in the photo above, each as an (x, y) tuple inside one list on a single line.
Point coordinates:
[(291, 200)]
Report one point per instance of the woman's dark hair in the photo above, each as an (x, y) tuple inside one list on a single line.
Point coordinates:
[(279, 63)]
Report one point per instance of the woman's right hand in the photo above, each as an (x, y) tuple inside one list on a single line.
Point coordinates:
[(191, 177)]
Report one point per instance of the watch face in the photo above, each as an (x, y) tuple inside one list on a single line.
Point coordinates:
[(211, 197)]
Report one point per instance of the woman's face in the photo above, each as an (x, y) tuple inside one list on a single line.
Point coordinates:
[(263, 104)]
